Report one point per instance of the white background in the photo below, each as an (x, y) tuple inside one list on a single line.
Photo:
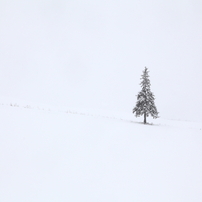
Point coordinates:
[(92, 53)]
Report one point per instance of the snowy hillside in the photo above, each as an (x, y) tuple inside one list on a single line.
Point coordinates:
[(61, 155)]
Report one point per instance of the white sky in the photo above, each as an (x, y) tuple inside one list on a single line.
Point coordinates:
[(92, 53)]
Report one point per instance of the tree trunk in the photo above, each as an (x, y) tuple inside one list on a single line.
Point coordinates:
[(145, 118)]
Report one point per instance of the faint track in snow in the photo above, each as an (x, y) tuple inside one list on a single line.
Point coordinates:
[(167, 122), (44, 109)]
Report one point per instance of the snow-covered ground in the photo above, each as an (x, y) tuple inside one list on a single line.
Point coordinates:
[(51, 154)]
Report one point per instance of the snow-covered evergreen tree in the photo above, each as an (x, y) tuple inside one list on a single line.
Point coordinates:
[(145, 99)]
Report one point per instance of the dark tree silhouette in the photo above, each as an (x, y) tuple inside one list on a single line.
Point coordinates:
[(145, 99)]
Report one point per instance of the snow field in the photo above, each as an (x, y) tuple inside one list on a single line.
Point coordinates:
[(57, 156)]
